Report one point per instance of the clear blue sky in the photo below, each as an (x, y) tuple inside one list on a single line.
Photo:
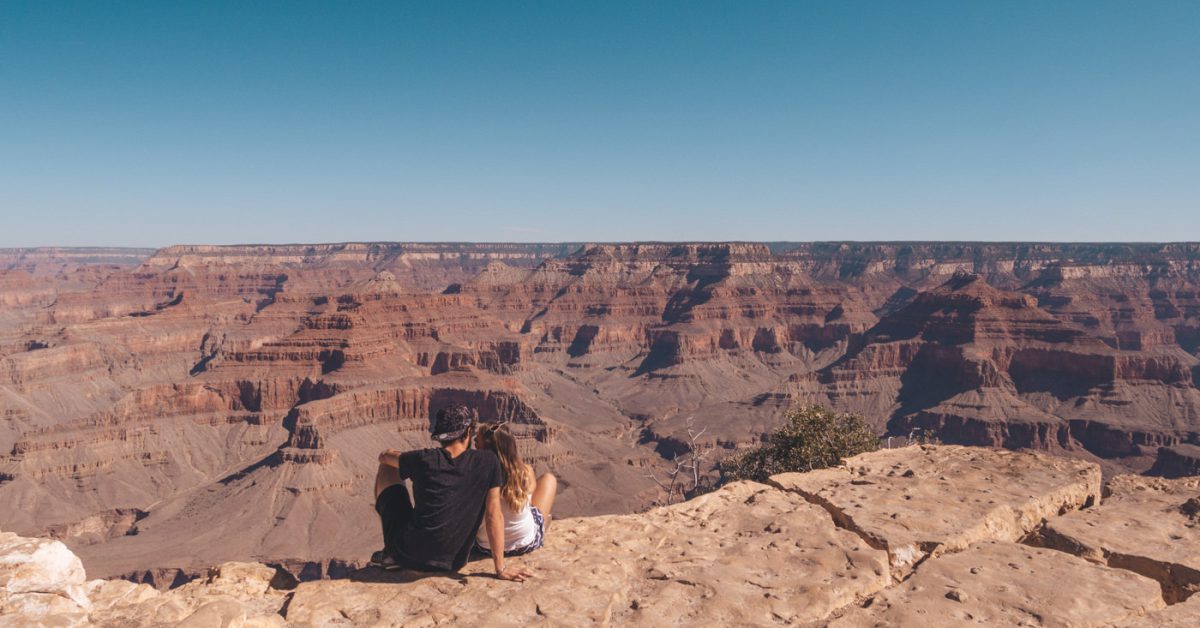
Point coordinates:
[(153, 123)]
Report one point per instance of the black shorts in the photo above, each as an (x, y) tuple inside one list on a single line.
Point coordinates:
[(395, 513)]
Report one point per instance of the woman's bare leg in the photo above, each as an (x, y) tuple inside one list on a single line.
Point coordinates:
[(543, 494)]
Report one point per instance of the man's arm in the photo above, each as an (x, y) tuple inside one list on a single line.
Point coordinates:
[(390, 457), (494, 519), (390, 471)]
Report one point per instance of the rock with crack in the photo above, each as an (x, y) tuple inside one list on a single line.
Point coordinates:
[(997, 583), (918, 502), (745, 554), (1182, 615), (1147, 525)]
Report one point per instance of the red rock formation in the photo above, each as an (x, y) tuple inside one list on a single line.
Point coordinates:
[(979, 365)]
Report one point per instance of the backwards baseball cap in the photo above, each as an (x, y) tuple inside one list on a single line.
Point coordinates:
[(452, 422)]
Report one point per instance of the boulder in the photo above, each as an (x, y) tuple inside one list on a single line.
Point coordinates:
[(41, 583), (40, 566)]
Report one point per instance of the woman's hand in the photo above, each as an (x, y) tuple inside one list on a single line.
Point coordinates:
[(515, 574)]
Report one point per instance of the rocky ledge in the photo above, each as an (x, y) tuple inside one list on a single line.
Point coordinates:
[(929, 535)]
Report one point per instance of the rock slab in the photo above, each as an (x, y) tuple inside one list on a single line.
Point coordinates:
[(1147, 525), (918, 502), (996, 583)]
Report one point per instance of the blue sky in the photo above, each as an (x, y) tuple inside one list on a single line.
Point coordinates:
[(154, 123)]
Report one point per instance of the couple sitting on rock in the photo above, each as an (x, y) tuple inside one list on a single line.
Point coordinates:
[(462, 499)]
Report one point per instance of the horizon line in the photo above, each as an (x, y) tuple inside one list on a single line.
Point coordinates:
[(13, 249)]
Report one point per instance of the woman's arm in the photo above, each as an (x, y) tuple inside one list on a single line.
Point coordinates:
[(494, 520)]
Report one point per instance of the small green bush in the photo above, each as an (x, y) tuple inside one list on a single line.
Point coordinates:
[(812, 438)]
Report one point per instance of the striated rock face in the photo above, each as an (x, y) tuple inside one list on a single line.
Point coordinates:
[(746, 554), (148, 397), (978, 364)]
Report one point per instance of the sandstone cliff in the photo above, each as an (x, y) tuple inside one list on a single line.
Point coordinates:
[(909, 536)]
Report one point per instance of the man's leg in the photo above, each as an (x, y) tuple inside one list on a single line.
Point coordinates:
[(385, 477), (395, 512)]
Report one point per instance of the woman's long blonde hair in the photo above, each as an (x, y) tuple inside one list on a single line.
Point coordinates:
[(519, 480)]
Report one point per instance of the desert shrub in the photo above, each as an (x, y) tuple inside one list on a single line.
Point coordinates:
[(812, 438)]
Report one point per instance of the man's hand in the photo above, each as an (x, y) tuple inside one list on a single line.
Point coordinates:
[(515, 574)]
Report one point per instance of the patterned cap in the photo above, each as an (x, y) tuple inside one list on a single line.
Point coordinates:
[(452, 422)]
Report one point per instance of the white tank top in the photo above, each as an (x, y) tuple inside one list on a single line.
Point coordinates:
[(520, 529)]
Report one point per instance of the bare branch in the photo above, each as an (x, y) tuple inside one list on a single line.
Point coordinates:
[(690, 462)]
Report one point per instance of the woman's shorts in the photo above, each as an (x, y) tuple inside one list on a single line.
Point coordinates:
[(538, 539)]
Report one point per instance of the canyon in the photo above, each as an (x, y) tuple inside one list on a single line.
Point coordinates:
[(165, 411)]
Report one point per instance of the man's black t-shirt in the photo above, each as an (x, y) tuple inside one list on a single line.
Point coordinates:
[(450, 495)]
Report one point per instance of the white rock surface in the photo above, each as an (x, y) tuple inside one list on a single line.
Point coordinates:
[(41, 578)]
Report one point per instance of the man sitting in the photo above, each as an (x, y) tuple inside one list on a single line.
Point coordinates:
[(453, 487)]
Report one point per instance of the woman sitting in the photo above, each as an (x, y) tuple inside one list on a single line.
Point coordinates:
[(526, 503)]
